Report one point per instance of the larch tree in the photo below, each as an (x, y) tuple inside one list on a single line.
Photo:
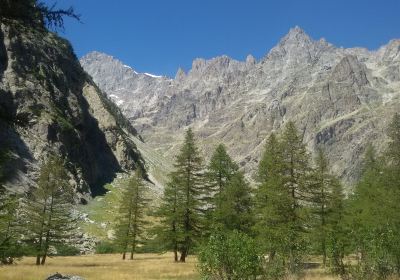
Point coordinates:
[(48, 212), (337, 229), (392, 182), (371, 218), (272, 202), (220, 170), (323, 184), (281, 197), (169, 229), (189, 175), (234, 207), (131, 224), (296, 171), (186, 189)]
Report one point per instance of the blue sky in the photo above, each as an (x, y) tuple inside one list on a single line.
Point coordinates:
[(158, 36)]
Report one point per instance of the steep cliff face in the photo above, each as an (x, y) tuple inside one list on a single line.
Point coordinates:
[(339, 98), (48, 104)]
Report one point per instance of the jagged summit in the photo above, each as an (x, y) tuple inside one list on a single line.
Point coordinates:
[(250, 60), (180, 74), (297, 48), (296, 33), (339, 98)]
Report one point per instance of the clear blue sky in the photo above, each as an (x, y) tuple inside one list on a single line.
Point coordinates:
[(158, 36)]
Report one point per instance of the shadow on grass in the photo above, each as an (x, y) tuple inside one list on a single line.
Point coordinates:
[(311, 265)]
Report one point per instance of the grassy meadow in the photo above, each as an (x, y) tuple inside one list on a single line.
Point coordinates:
[(104, 267), (109, 267)]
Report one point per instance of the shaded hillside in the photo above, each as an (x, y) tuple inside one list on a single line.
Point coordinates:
[(48, 104)]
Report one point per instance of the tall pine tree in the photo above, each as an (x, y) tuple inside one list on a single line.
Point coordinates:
[(372, 219), (133, 206), (48, 210), (337, 229), (186, 189), (169, 230), (296, 171), (189, 176), (284, 187), (220, 170), (234, 207), (322, 190), (272, 200)]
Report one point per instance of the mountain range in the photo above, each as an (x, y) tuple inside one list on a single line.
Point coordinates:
[(341, 99)]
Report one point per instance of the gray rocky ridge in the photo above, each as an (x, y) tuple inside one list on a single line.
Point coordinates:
[(48, 104), (340, 99)]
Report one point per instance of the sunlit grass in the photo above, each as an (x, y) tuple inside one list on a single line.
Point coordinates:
[(109, 267), (99, 267)]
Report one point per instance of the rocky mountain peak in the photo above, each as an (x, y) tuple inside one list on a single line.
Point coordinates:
[(217, 66), (390, 52), (198, 65), (296, 34), (250, 60), (297, 47), (180, 74)]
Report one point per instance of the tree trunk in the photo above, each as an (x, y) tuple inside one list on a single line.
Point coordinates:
[(133, 247), (183, 256), (38, 260), (44, 258), (124, 255), (323, 253), (175, 252)]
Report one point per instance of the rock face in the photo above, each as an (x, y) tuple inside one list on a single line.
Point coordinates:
[(340, 99), (59, 276), (48, 104)]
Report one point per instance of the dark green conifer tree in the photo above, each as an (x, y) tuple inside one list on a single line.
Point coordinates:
[(234, 207), (131, 223), (186, 188), (189, 175), (219, 172), (284, 187), (169, 230), (272, 200), (296, 171), (48, 212), (322, 190), (371, 219), (337, 229)]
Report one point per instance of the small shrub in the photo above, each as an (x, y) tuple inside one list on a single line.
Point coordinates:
[(67, 250), (106, 247), (231, 256)]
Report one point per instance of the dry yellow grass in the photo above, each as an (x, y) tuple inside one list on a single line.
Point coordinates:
[(104, 267), (109, 267)]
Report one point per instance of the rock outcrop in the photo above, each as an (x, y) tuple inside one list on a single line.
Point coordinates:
[(59, 276), (48, 104), (340, 99)]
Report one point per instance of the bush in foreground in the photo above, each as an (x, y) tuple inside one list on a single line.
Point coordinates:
[(231, 256)]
